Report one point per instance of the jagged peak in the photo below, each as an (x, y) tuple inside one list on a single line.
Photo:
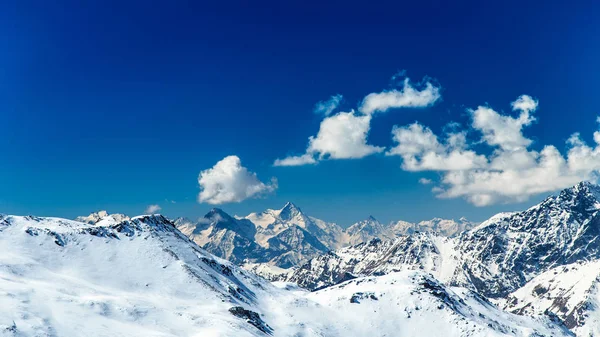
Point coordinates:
[(289, 211), (96, 217), (584, 194), (217, 213)]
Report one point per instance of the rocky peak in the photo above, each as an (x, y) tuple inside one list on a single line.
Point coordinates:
[(289, 211), (96, 217), (221, 220)]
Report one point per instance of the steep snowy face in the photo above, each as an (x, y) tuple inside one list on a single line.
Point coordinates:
[(139, 277), (221, 220), (569, 292), (270, 223), (292, 236), (293, 246), (502, 254), (289, 212), (367, 230), (421, 251)]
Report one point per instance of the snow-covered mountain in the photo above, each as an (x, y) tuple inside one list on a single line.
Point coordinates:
[(143, 277), (366, 230), (445, 227), (271, 223), (369, 229), (570, 292), (283, 238), (505, 252), (224, 236), (541, 260), (420, 251), (96, 217), (287, 237)]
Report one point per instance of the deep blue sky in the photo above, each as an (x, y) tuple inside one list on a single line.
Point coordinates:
[(117, 105)]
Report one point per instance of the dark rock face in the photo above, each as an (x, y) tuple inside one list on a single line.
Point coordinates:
[(504, 253), (252, 318), (357, 297)]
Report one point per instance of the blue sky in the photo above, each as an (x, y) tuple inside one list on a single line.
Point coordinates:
[(118, 106)]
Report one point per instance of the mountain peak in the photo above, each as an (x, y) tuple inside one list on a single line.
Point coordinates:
[(217, 212), (289, 211), (585, 194), (96, 217)]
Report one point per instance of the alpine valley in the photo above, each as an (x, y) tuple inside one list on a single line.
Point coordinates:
[(284, 273)]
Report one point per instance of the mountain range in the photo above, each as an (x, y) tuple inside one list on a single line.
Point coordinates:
[(141, 276), (287, 237)]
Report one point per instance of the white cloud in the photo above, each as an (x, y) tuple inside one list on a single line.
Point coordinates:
[(505, 131), (510, 171), (328, 106), (341, 136), (151, 209), (525, 103), (407, 97), (228, 181), (421, 150), (304, 159), (425, 181)]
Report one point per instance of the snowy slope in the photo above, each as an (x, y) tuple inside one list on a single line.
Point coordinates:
[(140, 277), (570, 292), (415, 304)]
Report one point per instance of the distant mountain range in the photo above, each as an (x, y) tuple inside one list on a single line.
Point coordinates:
[(287, 237)]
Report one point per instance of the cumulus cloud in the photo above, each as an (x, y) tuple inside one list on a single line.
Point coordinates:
[(421, 150), (505, 131), (151, 209), (407, 97), (228, 181), (328, 106), (341, 136), (509, 171), (425, 181)]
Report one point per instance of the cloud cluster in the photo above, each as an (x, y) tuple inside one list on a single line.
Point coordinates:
[(344, 134), (228, 181), (509, 171), (152, 209)]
